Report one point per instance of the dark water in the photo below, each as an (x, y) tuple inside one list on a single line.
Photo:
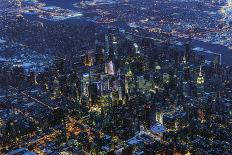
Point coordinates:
[(224, 51)]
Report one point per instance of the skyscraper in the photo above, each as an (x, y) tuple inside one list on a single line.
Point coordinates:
[(107, 46), (200, 82)]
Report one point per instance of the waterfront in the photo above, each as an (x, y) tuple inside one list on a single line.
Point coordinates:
[(211, 41)]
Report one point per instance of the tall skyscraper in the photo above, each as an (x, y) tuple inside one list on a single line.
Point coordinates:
[(115, 50), (109, 68), (107, 46), (200, 82)]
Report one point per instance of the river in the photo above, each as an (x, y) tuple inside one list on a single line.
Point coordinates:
[(225, 52)]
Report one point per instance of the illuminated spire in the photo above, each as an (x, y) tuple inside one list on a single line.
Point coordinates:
[(200, 78), (200, 73), (129, 73)]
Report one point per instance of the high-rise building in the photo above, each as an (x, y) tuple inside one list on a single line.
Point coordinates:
[(99, 57), (200, 82), (159, 117), (141, 82), (93, 93), (84, 84), (109, 68), (115, 53), (88, 60), (56, 87), (185, 88), (216, 63), (187, 75), (107, 46), (136, 48), (166, 78), (128, 81), (188, 53)]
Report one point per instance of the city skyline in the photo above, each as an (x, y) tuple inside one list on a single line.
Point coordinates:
[(115, 77)]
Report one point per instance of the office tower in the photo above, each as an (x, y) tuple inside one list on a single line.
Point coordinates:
[(88, 60), (119, 86), (115, 53), (84, 84), (107, 46), (110, 68), (201, 114), (136, 48), (216, 63), (99, 57), (148, 111), (188, 53), (93, 93), (56, 87), (185, 88), (200, 83), (128, 81), (184, 61), (166, 78), (63, 131), (159, 116), (141, 82), (121, 92), (187, 75)]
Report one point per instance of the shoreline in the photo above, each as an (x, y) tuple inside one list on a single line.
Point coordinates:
[(225, 52)]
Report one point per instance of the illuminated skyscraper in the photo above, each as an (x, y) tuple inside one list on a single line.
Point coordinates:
[(200, 83), (88, 60), (136, 48), (115, 50), (184, 59), (109, 68), (84, 84)]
